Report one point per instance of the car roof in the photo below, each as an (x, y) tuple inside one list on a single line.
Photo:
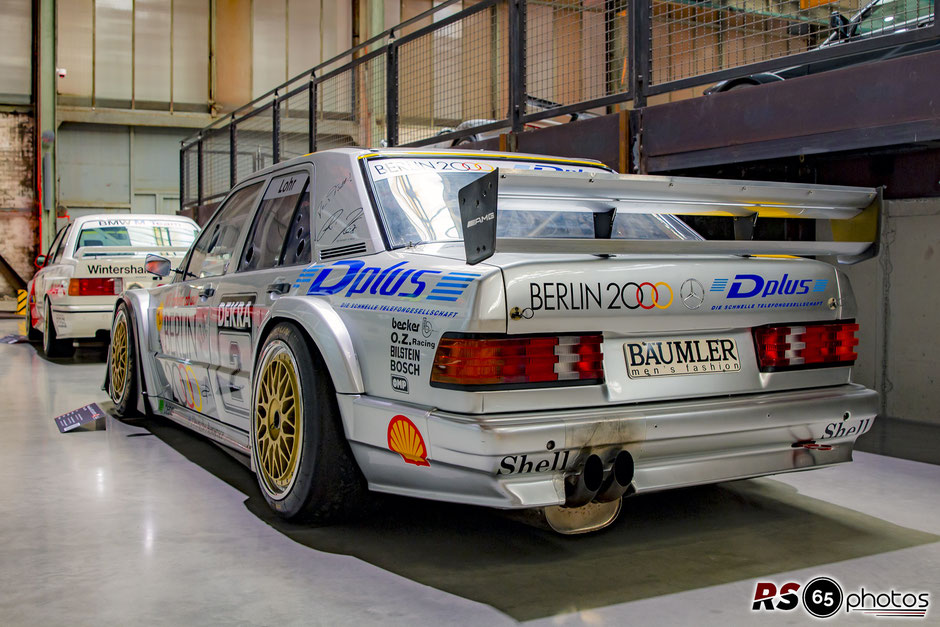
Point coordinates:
[(362, 153)]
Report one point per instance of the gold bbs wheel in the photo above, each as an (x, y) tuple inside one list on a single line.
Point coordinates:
[(278, 424), (119, 360)]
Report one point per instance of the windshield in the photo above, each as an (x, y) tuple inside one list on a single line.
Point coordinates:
[(150, 233), (418, 202)]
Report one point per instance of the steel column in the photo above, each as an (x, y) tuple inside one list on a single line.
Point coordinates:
[(391, 93), (276, 130), (517, 64), (232, 154), (312, 115)]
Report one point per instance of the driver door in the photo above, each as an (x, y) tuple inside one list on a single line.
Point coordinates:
[(184, 309)]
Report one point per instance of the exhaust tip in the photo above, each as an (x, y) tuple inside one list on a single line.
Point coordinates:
[(618, 480), (581, 487), (593, 473)]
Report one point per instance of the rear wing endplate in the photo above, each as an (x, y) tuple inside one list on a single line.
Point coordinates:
[(851, 215)]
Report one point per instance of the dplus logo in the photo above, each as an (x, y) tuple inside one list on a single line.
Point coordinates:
[(756, 286), (352, 277)]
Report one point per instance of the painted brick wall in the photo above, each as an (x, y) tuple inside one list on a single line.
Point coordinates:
[(19, 225)]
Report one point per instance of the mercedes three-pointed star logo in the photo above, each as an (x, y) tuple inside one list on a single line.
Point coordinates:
[(692, 294)]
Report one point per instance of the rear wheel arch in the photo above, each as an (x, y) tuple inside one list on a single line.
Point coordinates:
[(326, 336)]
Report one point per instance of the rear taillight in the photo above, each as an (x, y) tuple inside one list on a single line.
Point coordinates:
[(809, 346), (533, 361), (95, 287)]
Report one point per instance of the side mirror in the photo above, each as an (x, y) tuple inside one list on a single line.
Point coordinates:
[(841, 25), (157, 265), (40, 261)]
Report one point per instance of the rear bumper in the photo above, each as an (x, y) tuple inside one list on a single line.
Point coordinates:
[(81, 321), (519, 460)]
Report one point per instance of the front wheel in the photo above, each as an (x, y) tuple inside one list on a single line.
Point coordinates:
[(303, 462), (51, 344), (122, 367)]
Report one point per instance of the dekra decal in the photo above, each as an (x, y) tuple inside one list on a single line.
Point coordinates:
[(235, 312)]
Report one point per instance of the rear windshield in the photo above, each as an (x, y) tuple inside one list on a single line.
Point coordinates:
[(137, 233), (418, 202)]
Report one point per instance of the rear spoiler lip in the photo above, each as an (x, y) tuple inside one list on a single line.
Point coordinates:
[(103, 251), (852, 212)]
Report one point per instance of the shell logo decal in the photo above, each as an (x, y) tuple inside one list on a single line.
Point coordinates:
[(159, 317), (405, 439)]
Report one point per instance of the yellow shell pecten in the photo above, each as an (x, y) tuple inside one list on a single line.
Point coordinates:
[(405, 439)]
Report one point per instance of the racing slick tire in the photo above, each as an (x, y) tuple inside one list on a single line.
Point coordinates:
[(302, 460), (32, 333), (122, 365), (51, 344)]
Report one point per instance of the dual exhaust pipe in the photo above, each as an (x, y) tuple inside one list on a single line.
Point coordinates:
[(596, 483)]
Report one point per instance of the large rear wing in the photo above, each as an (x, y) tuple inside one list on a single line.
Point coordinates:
[(86, 252), (849, 214)]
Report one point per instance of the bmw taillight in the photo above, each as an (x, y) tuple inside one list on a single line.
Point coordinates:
[(528, 361), (95, 287), (808, 346)]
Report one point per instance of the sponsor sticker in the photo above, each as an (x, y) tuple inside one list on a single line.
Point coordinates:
[(351, 278), (235, 312), (681, 356), (405, 439), (771, 293), (556, 296)]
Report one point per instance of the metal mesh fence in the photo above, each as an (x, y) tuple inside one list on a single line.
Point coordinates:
[(216, 179), (294, 123), (453, 77), (690, 39), (254, 143), (189, 175), (448, 71), (576, 51)]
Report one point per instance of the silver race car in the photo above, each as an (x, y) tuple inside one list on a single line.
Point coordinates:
[(498, 329)]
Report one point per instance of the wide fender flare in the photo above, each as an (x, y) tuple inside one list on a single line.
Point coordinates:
[(321, 322), (138, 304)]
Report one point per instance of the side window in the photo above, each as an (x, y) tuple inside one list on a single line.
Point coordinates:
[(55, 243), (277, 222), (213, 251), (299, 249), (60, 249)]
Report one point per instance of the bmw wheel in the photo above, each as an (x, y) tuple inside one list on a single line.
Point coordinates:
[(51, 344), (303, 462), (122, 366)]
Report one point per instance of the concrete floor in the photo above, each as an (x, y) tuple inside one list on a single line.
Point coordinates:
[(144, 523)]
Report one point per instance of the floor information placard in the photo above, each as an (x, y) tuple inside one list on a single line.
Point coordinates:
[(79, 417)]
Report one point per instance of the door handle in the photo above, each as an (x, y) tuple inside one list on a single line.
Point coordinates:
[(207, 293), (279, 288)]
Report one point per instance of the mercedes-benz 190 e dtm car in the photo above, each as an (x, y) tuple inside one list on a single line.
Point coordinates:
[(506, 330), (89, 263)]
